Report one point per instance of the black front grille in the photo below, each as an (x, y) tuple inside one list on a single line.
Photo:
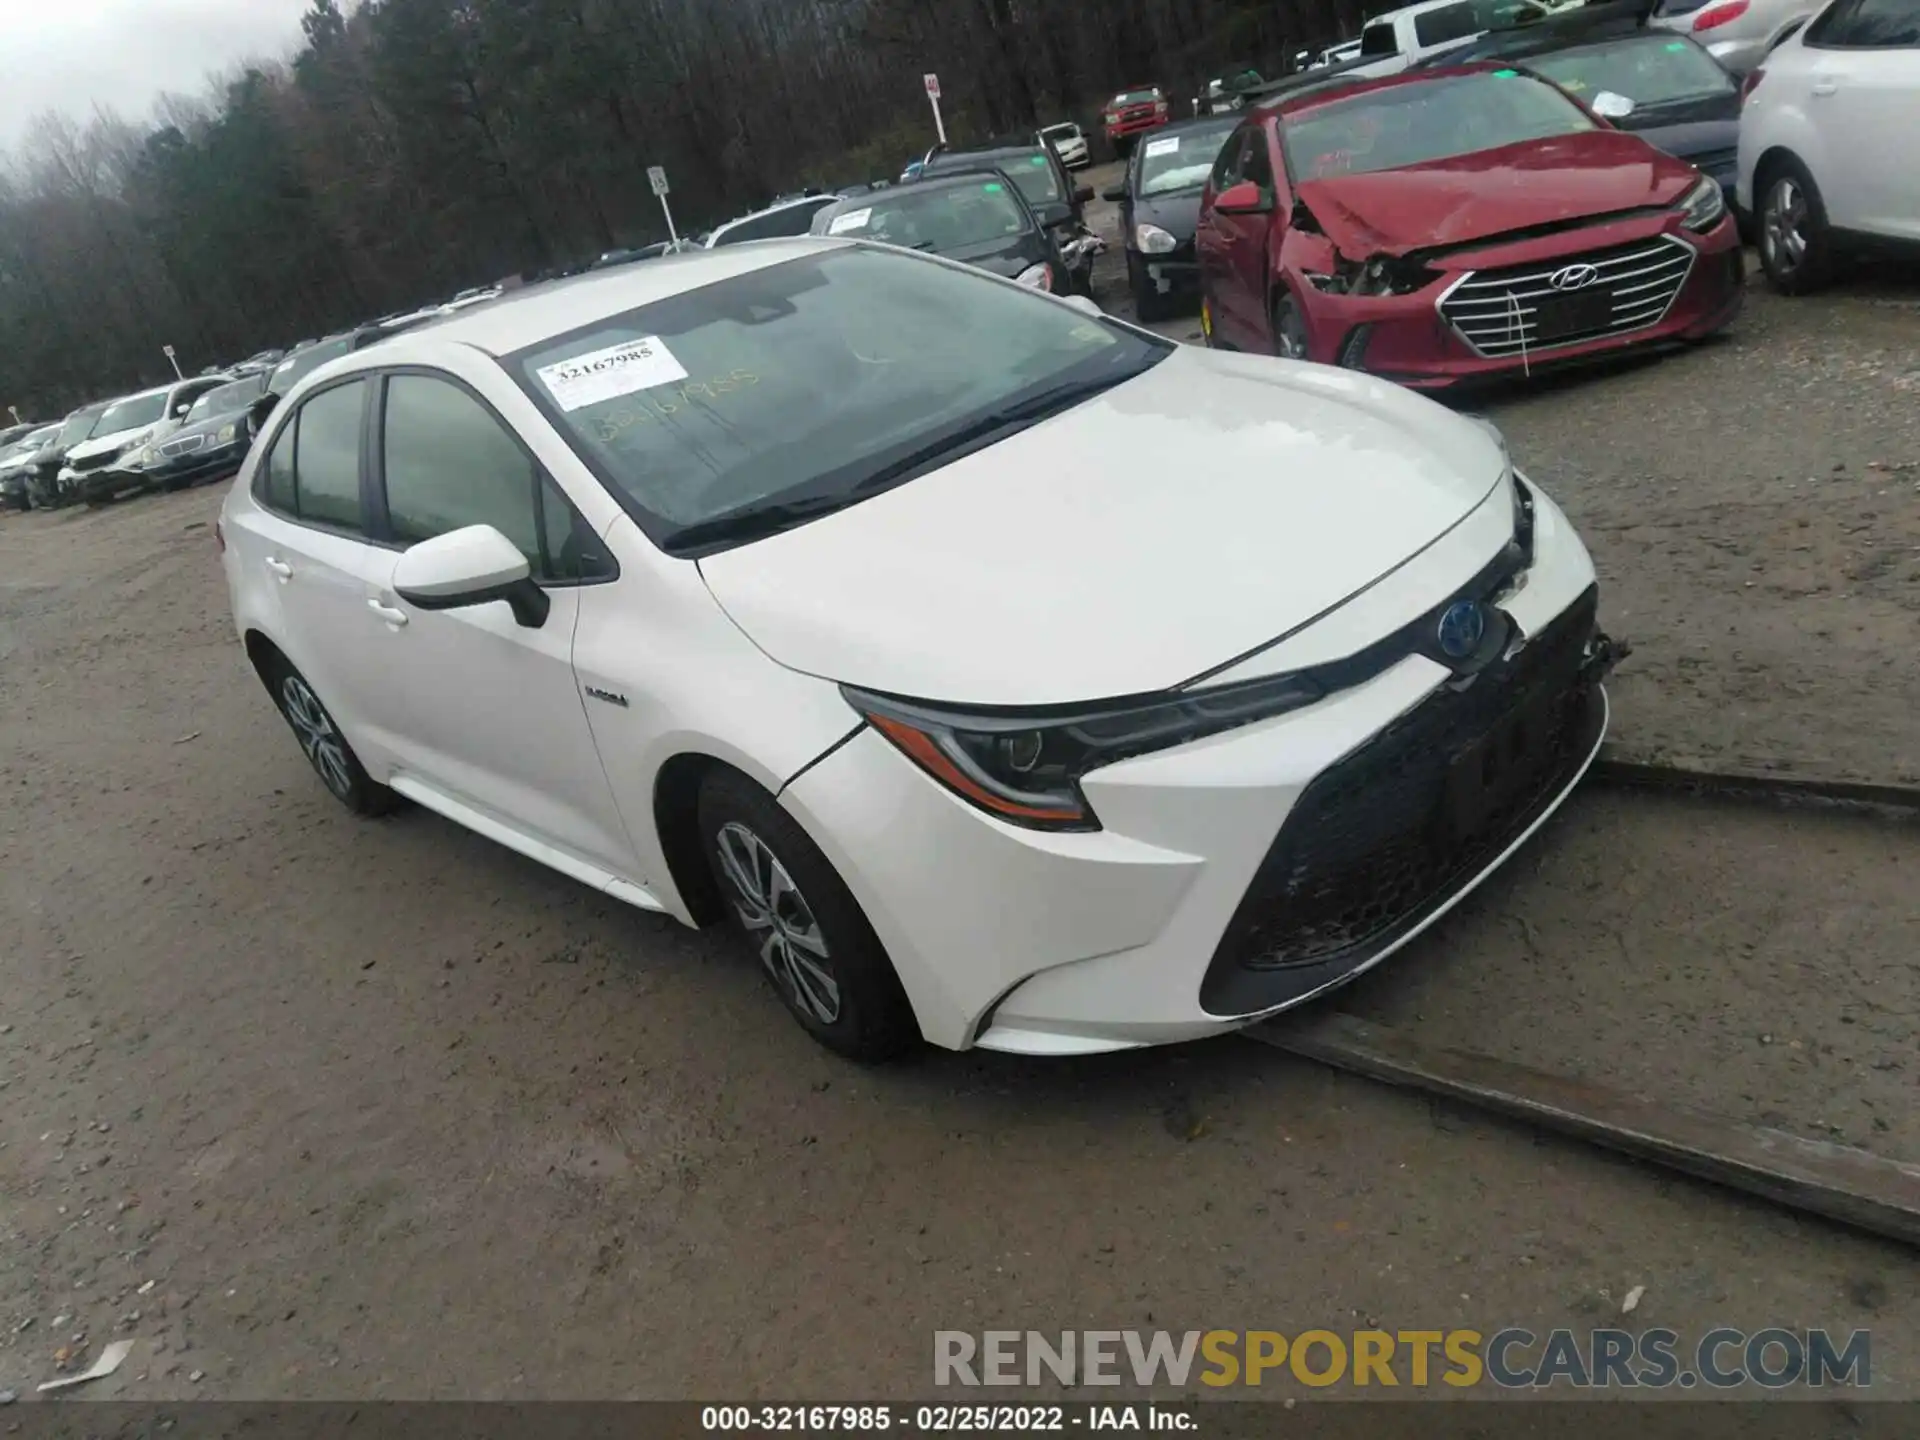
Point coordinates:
[(95, 462), (1380, 839)]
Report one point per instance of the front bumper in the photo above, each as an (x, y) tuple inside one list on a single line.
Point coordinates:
[(1131, 126), (1174, 274), (1408, 338), (197, 465), (107, 483), (1160, 926)]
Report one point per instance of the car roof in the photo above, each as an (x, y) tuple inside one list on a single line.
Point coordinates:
[(535, 313), (774, 209)]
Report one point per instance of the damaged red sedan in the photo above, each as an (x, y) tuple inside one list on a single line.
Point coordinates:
[(1455, 224)]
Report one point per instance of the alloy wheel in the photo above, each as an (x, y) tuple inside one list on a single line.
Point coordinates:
[(1783, 229), (783, 927), (314, 729), (1289, 331)]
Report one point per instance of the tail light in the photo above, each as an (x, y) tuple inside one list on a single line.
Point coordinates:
[(1750, 84), (1716, 15)]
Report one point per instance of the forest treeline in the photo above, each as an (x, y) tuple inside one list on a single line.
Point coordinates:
[(409, 148)]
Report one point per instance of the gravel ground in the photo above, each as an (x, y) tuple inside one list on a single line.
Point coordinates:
[(317, 1107)]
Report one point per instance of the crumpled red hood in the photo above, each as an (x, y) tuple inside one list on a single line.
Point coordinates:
[(1491, 192)]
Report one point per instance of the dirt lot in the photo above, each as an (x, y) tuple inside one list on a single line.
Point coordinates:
[(312, 1106)]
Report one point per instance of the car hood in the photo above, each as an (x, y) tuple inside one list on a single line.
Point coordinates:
[(1178, 213), (1689, 138), (1491, 192), (104, 444), (1189, 516), (212, 424), (1006, 256)]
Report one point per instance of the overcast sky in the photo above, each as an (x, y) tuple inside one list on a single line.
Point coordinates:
[(70, 54)]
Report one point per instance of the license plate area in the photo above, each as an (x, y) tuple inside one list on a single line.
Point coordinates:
[(1489, 775), (1560, 317)]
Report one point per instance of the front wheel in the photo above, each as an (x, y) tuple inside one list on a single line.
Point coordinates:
[(1289, 329), (807, 931)]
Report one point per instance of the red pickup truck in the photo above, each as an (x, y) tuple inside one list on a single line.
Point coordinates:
[(1132, 113)]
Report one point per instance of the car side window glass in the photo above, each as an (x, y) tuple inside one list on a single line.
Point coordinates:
[(1226, 170), (1256, 165), (1869, 24), (1449, 22), (276, 472), (326, 462), (1379, 40), (450, 463)]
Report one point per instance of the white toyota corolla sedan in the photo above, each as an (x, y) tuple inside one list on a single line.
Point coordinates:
[(1010, 676)]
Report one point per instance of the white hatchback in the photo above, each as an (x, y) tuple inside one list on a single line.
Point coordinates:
[(1011, 676), (1825, 123)]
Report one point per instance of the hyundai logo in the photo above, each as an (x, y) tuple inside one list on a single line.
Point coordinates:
[(1462, 627), (1574, 277)]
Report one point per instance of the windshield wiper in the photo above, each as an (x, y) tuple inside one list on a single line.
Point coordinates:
[(753, 522)]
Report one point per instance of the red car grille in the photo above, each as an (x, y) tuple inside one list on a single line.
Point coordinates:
[(1620, 290)]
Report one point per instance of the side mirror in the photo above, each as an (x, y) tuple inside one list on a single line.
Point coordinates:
[(1610, 106), (182, 408), (1245, 198), (1083, 194), (1115, 193), (470, 567), (1056, 215)]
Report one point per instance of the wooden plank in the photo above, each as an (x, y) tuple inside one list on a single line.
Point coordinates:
[(1853, 1186), (1615, 768)]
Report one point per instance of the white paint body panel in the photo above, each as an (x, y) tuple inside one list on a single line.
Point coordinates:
[(1220, 511), (1838, 110)]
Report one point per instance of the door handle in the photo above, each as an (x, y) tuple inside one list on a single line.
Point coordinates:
[(1825, 87), (280, 567), (388, 613)]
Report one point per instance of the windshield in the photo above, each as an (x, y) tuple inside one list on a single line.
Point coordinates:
[(1136, 97), (294, 368), (1647, 70), (27, 445), (1430, 120), (801, 383), (132, 413), (1030, 170), (227, 399), (1062, 132), (940, 218), (78, 427), (1182, 160)]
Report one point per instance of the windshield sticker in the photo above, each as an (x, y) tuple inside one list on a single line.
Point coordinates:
[(585, 380), (1505, 74), (993, 187), (1166, 145), (645, 411), (1676, 45), (1036, 159), (852, 220)]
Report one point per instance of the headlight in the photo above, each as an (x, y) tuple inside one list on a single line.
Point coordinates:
[(227, 433), (1026, 769), (1152, 240), (1040, 277), (145, 455), (1703, 205)]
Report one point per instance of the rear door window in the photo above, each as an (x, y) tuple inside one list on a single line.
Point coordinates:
[(312, 474), (1868, 25)]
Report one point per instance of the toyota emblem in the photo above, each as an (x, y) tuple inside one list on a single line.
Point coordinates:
[(1462, 627), (1574, 277)]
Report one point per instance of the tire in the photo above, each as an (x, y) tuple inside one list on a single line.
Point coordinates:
[(324, 746), (837, 981), (1147, 304), (1289, 328), (1796, 246)]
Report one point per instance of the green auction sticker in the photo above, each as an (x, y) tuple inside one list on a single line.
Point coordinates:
[(1677, 45), (1036, 160), (1505, 74), (992, 187)]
